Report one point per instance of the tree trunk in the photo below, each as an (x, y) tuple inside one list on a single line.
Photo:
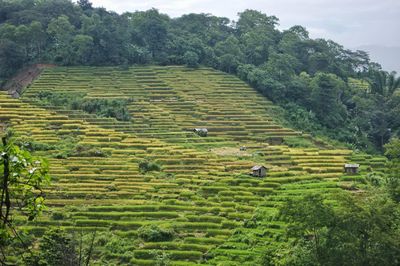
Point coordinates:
[(5, 194)]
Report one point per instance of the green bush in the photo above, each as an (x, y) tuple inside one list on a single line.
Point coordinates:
[(156, 233), (70, 148), (88, 151), (32, 145), (161, 258), (146, 166), (57, 216), (116, 108), (298, 142), (56, 247), (112, 187)]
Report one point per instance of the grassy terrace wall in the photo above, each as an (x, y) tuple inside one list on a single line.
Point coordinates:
[(203, 191)]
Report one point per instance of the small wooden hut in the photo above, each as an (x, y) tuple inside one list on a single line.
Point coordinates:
[(351, 169), (259, 171)]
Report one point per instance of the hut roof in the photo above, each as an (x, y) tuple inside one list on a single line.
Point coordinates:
[(351, 165), (257, 167)]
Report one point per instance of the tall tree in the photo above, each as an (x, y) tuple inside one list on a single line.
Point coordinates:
[(392, 151), (82, 46), (11, 57), (384, 84), (251, 19), (61, 31), (325, 99), (152, 28), (229, 54), (85, 4)]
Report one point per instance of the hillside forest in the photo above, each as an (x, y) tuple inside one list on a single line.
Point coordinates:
[(323, 87)]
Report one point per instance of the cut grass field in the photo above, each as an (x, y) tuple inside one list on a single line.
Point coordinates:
[(203, 190)]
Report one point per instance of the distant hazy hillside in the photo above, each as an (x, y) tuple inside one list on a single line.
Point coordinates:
[(388, 57)]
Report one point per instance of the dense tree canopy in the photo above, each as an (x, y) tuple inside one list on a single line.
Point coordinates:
[(342, 93), (358, 230)]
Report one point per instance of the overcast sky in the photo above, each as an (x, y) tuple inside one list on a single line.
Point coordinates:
[(352, 23)]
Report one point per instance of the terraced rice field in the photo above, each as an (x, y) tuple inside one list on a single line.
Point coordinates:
[(204, 191)]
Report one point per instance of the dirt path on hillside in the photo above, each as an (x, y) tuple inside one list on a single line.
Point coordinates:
[(23, 79)]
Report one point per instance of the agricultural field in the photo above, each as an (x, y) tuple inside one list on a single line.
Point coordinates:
[(145, 169)]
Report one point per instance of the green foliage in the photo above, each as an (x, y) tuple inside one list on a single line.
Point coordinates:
[(32, 145), (393, 150), (116, 108), (57, 248), (61, 31), (113, 243), (393, 167), (23, 178), (153, 30), (326, 89), (82, 46), (310, 218), (161, 258), (28, 170), (156, 233), (58, 215), (88, 151), (191, 59), (11, 57), (67, 147), (301, 118), (280, 255), (85, 4), (384, 84), (359, 231), (146, 166), (298, 142), (375, 179)]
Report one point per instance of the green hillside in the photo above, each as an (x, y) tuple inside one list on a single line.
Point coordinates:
[(202, 198)]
